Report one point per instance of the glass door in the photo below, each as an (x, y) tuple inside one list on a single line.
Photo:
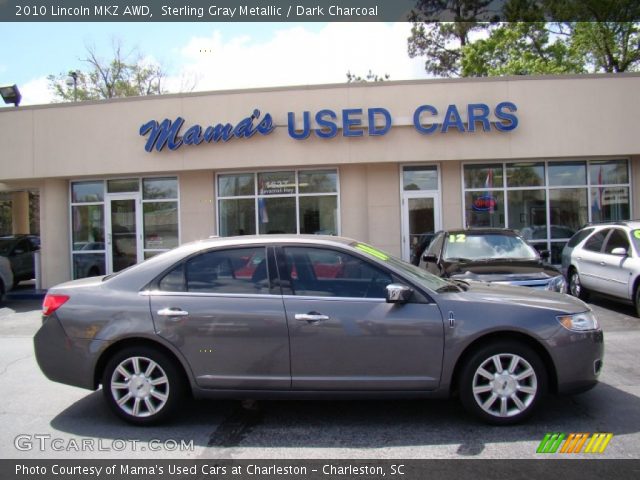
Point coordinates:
[(421, 218), (124, 232)]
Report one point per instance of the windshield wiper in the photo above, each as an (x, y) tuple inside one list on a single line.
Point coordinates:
[(458, 259)]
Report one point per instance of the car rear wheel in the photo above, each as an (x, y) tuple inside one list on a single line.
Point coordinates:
[(142, 385), (636, 299), (575, 286), (502, 383)]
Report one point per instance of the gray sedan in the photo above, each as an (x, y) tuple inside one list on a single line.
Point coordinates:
[(308, 317)]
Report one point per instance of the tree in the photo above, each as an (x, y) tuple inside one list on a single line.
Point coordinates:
[(588, 36), (520, 48), (369, 77), (124, 75), (440, 41)]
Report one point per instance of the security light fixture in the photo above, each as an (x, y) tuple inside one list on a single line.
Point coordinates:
[(11, 94)]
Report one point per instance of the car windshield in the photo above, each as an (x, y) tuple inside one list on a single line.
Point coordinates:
[(485, 246), (416, 274)]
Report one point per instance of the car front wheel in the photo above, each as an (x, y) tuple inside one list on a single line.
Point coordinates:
[(142, 385), (503, 382), (575, 286)]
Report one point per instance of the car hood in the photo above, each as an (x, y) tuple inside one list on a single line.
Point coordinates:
[(522, 296), (496, 270)]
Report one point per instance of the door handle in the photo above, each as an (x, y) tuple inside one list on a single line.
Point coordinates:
[(602, 264), (311, 317), (172, 312)]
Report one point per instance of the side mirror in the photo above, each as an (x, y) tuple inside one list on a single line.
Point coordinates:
[(430, 258), (545, 254), (397, 293), (620, 251)]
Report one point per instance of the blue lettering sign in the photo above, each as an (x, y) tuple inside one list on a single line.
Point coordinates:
[(328, 129), (478, 112), (348, 122), (373, 131), (452, 118), (291, 125), (417, 119), (511, 121), (166, 133)]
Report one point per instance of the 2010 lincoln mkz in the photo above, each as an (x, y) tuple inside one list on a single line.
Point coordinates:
[(311, 317)]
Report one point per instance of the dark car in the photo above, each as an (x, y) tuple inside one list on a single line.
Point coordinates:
[(317, 317), (20, 250), (494, 255), (421, 243)]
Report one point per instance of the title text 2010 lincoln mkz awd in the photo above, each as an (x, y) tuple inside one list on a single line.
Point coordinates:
[(309, 317)]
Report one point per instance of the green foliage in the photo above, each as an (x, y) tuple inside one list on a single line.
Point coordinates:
[(122, 76), (588, 36), (520, 49)]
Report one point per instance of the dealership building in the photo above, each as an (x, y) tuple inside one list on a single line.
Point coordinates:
[(119, 181)]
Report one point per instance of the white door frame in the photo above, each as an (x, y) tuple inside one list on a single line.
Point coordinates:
[(109, 233), (406, 196)]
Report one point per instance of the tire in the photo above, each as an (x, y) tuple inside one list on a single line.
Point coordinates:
[(507, 397), (636, 299), (142, 385), (575, 286)]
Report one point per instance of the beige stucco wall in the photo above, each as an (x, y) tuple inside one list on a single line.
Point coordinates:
[(558, 117), (197, 205), (54, 232)]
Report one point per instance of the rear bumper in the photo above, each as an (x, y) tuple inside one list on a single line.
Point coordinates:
[(63, 359)]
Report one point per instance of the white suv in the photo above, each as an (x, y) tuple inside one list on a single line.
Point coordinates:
[(605, 258), (6, 277)]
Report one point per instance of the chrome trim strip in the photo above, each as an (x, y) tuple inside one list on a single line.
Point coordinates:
[(158, 293)]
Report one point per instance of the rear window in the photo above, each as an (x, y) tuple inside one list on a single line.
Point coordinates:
[(579, 236)]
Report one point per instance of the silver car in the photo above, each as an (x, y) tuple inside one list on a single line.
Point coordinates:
[(6, 277), (311, 316), (605, 258)]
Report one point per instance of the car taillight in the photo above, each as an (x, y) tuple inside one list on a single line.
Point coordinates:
[(52, 303)]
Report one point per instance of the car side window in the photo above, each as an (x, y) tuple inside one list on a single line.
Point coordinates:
[(617, 239), (594, 243), (240, 271), (578, 237), (330, 273)]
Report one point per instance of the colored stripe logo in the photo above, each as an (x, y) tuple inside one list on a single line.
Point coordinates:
[(574, 443)]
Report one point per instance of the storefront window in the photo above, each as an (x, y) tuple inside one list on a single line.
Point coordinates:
[(318, 215), (160, 225), (420, 178), (90, 205), (546, 212), (485, 209), (304, 201), (567, 173), (525, 175), (568, 211), (88, 227), (122, 185), (237, 217), (159, 188), (483, 176), (528, 213), (236, 185), (83, 192)]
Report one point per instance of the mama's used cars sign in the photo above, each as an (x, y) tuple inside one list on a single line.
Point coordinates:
[(353, 122)]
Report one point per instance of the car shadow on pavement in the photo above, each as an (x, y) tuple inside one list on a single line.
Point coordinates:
[(357, 424)]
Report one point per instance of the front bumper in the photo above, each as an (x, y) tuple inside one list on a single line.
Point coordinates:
[(579, 358), (64, 359)]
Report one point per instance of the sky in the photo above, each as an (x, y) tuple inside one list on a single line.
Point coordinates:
[(211, 56)]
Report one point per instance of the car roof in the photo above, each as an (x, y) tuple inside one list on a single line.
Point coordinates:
[(620, 223)]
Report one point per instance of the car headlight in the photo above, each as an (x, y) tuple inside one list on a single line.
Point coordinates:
[(557, 284), (579, 322)]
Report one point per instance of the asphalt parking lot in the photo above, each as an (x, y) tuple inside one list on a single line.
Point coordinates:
[(42, 419)]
